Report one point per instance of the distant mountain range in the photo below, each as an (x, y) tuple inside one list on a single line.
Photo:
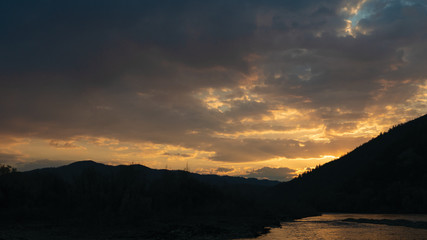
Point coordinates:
[(69, 172), (154, 204), (386, 174)]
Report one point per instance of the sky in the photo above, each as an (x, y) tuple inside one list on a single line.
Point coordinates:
[(264, 89)]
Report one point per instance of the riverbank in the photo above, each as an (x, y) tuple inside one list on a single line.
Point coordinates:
[(179, 228), (335, 226)]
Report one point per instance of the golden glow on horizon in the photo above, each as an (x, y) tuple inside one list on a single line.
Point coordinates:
[(314, 134), (278, 123), (281, 123), (302, 128)]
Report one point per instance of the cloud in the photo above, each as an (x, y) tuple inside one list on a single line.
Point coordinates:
[(196, 74), (177, 154), (282, 174), (64, 144), (223, 170)]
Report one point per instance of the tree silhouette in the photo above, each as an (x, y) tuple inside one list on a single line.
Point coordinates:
[(5, 169)]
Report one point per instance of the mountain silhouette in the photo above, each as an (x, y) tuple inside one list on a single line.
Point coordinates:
[(386, 174), (153, 204), (68, 172)]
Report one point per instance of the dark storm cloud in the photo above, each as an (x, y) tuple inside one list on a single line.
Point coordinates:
[(65, 63), (245, 109), (131, 69), (85, 38)]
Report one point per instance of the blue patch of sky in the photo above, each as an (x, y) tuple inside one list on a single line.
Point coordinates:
[(371, 7)]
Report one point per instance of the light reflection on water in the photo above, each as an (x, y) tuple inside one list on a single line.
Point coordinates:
[(331, 227)]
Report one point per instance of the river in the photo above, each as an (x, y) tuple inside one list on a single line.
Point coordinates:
[(352, 227)]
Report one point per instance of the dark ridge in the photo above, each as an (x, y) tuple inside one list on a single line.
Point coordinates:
[(85, 163), (75, 168), (386, 174), (86, 196)]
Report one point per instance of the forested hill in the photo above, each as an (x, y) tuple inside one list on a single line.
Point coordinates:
[(386, 174), (69, 172), (90, 186), (157, 204)]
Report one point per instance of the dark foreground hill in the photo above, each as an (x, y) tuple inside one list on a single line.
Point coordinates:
[(91, 198), (386, 174)]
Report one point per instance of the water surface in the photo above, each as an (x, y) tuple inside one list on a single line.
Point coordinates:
[(335, 227)]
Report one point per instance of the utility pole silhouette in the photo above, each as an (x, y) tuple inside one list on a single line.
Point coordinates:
[(187, 169)]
